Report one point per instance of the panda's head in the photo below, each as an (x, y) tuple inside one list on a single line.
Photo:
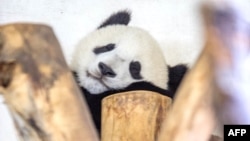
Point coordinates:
[(116, 55)]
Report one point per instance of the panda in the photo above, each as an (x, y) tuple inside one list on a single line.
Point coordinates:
[(117, 58)]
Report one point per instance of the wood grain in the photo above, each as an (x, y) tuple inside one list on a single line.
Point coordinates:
[(133, 116), (38, 86)]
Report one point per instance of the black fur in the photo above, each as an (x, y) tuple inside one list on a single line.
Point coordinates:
[(102, 49), (175, 76), (121, 17)]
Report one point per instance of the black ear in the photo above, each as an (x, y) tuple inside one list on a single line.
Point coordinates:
[(176, 74), (121, 17)]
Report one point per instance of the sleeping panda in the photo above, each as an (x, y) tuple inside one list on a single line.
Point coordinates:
[(117, 58)]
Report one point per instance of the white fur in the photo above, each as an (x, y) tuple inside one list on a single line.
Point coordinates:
[(131, 44)]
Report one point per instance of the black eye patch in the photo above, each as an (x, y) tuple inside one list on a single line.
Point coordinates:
[(103, 49), (135, 69)]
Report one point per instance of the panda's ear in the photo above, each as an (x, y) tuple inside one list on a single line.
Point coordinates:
[(121, 17)]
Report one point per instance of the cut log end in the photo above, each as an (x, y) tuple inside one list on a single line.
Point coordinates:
[(135, 115)]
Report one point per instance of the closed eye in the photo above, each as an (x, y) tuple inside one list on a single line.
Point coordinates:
[(103, 49)]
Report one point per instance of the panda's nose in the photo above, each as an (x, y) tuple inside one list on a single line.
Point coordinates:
[(106, 70)]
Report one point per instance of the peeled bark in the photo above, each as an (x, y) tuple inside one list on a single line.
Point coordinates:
[(39, 88), (134, 116)]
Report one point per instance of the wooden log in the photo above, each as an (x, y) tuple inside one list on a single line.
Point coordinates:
[(39, 88), (209, 89), (133, 116), (192, 117)]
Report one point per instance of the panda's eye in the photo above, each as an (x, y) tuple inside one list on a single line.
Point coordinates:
[(103, 49), (135, 69)]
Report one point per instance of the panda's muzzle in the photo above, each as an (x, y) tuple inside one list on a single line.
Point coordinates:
[(106, 70)]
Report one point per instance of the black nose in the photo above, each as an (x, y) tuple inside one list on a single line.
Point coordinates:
[(106, 70)]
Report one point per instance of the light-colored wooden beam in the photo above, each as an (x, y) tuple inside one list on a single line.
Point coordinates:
[(39, 88)]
